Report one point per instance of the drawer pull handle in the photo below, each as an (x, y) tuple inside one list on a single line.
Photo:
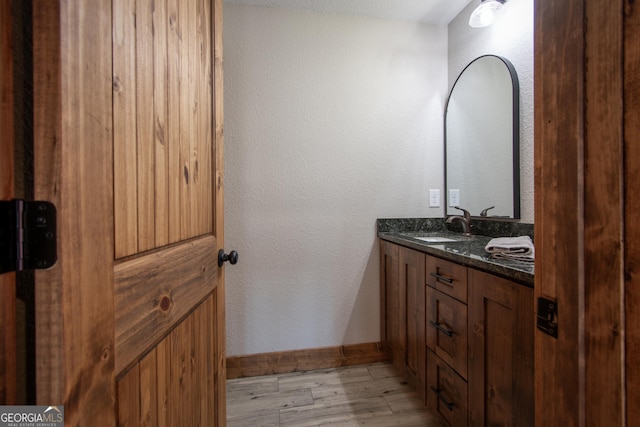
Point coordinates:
[(440, 328), (437, 391), (442, 278)]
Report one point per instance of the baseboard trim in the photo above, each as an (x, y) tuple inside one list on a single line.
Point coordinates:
[(254, 365)]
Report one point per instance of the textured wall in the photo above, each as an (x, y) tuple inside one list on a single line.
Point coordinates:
[(330, 122), (511, 36)]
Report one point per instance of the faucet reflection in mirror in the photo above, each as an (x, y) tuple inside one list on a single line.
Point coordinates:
[(482, 140)]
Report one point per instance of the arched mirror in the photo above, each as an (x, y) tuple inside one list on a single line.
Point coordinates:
[(482, 140)]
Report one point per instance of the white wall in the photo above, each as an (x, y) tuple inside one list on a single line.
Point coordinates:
[(330, 122), (511, 36)]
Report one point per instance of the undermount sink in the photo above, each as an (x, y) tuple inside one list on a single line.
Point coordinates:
[(436, 237)]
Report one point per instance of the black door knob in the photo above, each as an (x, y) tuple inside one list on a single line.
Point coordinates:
[(232, 257)]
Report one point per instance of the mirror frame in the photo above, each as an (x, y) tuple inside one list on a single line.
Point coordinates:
[(515, 138)]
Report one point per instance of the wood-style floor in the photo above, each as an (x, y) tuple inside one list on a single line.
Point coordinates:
[(368, 395)]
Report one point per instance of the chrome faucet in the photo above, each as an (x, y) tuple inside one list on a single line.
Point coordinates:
[(465, 220)]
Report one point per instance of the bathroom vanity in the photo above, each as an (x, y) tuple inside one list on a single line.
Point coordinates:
[(458, 324)]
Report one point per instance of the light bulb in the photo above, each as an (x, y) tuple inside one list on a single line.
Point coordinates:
[(484, 14)]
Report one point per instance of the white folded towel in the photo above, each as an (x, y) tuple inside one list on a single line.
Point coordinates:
[(516, 248)]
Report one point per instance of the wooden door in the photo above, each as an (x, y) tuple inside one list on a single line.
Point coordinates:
[(128, 145)]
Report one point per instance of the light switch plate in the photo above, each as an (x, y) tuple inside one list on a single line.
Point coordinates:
[(434, 198), (454, 198)]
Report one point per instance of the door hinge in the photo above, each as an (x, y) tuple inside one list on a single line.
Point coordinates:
[(27, 235)]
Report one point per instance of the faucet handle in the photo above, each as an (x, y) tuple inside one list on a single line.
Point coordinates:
[(466, 213), (484, 211)]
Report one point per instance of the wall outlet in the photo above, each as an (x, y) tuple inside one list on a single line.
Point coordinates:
[(454, 198), (434, 198)]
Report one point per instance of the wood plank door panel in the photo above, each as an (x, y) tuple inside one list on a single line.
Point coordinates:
[(175, 383), (128, 145), (166, 273)]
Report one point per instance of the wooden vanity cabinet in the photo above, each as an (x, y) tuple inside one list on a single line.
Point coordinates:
[(462, 338)]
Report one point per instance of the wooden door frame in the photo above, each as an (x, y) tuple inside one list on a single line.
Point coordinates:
[(632, 211), (7, 191), (73, 128), (579, 198)]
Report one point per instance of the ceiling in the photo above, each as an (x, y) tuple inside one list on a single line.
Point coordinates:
[(437, 12)]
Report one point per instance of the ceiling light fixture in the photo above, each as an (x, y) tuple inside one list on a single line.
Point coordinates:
[(484, 14)]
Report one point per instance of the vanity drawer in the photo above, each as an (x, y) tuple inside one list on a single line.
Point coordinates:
[(446, 392), (447, 277), (447, 329)]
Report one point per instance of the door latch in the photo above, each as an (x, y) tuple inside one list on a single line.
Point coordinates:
[(27, 235), (547, 318)]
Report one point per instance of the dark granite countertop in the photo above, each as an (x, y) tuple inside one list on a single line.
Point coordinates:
[(468, 251)]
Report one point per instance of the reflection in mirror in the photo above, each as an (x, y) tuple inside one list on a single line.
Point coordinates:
[(482, 140)]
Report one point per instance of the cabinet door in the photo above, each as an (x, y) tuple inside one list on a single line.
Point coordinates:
[(501, 323), (390, 303), (412, 291)]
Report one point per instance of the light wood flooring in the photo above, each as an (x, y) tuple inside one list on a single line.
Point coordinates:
[(368, 395)]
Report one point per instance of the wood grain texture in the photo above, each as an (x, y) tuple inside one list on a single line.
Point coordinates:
[(73, 169), (451, 386), (153, 292), (500, 351), (632, 210), (148, 397), (125, 129), (579, 209), (368, 395), (163, 105), (390, 302), (220, 372), (412, 268), (175, 170), (144, 67), (603, 214), (304, 360), (186, 118), (159, 389), (451, 314), (204, 159), (160, 121), (559, 200), (7, 280), (129, 395), (450, 271), (163, 393)]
